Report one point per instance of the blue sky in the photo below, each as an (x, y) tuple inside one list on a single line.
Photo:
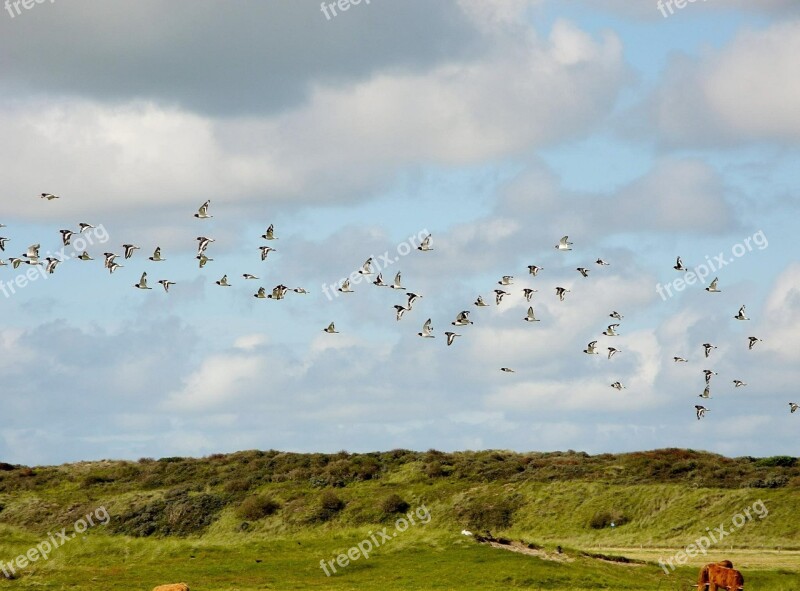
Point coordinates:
[(497, 126)]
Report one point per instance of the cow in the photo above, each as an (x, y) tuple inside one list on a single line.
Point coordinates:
[(721, 577), (172, 587), (702, 581)]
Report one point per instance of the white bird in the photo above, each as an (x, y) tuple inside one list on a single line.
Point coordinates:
[(84, 256), (462, 319), (752, 342), (397, 283), (412, 297), (32, 252), (82, 227), (113, 267), (530, 317), (706, 392), (400, 310), (707, 348), (451, 336), (738, 383), (300, 290), (679, 265), (66, 236), (110, 256), (534, 270), (560, 291), (51, 265), (740, 315), (249, 276), (379, 281), (3, 263), (366, 268), (564, 244), (15, 262), (612, 351), (712, 288), (203, 259), (507, 369), (223, 282), (261, 293), (506, 280), (679, 360), (610, 331), (427, 330), (270, 233), (142, 282), (203, 243), (426, 244), (480, 303), (3, 243), (590, 348), (49, 196), (202, 213), (700, 411), (499, 295), (278, 292), (331, 329), (793, 407), (129, 248), (708, 373), (345, 287), (617, 315), (265, 250), (157, 255), (583, 271), (602, 263), (165, 283), (618, 385), (528, 293)]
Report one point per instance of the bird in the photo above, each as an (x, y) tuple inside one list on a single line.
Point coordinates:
[(560, 291), (602, 263), (617, 315), (3, 263), (610, 331), (261, 293), (738, 383), (3, 243), (564, 244), (506, 280), (752, 342), (270, 233), (51, 265), (83, 226), (426, 244), (700, 411), (612, 351), (707, 348), (345, 287), (203, 259), (583, 271), (202, 213), (530, 317), (278, 292), (712, 288), (157, 255), (397, 283), (708, 373), (366, 268), (49, 196), (427, 330), (223, 282), (793, 407), (129, 248), (740, 315), (451, 336), (590, 348), (32, 253), (680, 360), (480, 303), (528, 293), (507, 369), (114, 266), (462, 319), (706, 392), (618, 385), (249, 276), (499, 294), (165, 283), (66, 236), (15, 262), (379, 281), (300, 290), (142, 282), (331, 329), (412, 297), (679, 265), (534, 270), (203, 243), (265, 250), (400, 310), (110, 256)]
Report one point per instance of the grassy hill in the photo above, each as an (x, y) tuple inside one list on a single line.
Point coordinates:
[(265, 519)]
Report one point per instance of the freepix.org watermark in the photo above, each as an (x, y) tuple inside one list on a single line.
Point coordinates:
[(13, 6), (711, 265), (44, 548), (714, 536), (367, 545), (79, 243), (329, 8), (671, 5)]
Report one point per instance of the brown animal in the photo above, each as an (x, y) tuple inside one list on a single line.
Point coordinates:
[(172, 587), (702, 581), (720, 577)]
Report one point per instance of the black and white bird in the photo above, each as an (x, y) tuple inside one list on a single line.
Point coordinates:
[(345, 287), (706, 392), (708, 373), (707, 348), (618, 385), (32, 253), (203, 259), (331, 329), (49, 196), (83, 226), (300, 290), (270, 233), (379, 281), (740, 315), (793, 407), (278, 292), (202, 213), (3, 243), (110, 256), (142, 282), (712, 288), (534, 270), (412, 297), (499, 294), (462, 319), (426, 244), (591, 348), (223, 282), (506, 280), (507, 369), (611, 330), (602, 263), (165, 283), (560, 291), (583, 271), (51, 265), (451, 336), (530, 317), (249, 276), (156, 258), (700, 411), (480, 303), (113, 267), (617, 315), (739, 383), (84, 256), (129, 248), (752, 342), (265, 250), (612, 351), (397, 282), (399, 311), (564, 244), (66, 236), (202, 243), (680, 360), (366, 268), (528, 293), (261, 293), (427, 330), (679, 265)]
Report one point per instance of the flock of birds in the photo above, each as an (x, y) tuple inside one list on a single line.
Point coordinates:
[(279, 292)]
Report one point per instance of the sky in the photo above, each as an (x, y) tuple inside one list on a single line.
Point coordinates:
[(642, 130)]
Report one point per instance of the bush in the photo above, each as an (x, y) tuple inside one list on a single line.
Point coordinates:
[(257, 507), (178, 514), (604, 519), (777, 462), (394, 503), (487, 513), (329, 505)]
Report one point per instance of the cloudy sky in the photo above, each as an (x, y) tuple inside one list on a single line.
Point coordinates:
[(497, 126)]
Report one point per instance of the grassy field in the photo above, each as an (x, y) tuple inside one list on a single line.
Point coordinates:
[(264, 520)]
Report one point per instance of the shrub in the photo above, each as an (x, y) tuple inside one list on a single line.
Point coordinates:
[(257, 507), (329, 505), (394, 503), (178, 514), (487, 513), (604, 519)]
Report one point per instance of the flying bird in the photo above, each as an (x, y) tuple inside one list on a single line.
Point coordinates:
[(617, 315), (397, 282), (507, 369), (700, 411), (564, 244), (203, 243), (738, 383), (51, 265), (113, 267), (793, 407), (680, 360), (499, 294), (528, 293), (261, 293), (560, 291), (278, 292), (300, 290), (223, 282), (129, 248), (249, 276), (83, 226), (265, 250), (366, 268), (412, 297), (602, 263), (451, 336), (379, 281), (426, 244), (270, 233), (534, 270), (706, 392), (400, 310), (679, 265), (84, 256), (506, 280), (345, 287), (591, 348), (740, 315), (752, 342), (707, 348), (480, 303), (610, 331), (202, 213), (427, 330), (3, 243), (157, 255), (618, 385), (462, 319), (530, 317), (165, 283), (708, 373), (203, 259), (583, 271), (331, 329), (712, 288), (49, 196), (612, 351), (142, 282), (66, 236)]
